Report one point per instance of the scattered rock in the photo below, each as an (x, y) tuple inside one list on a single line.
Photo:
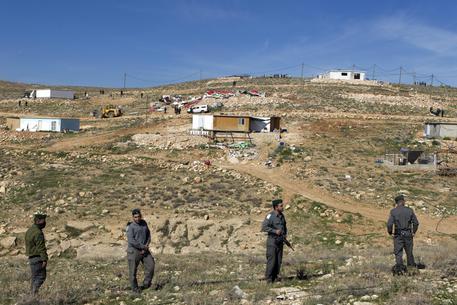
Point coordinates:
[(236, 291), (197, 179), (102, 251), (8, 242), (78, 227)]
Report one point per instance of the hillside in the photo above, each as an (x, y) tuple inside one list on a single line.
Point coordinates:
[(205, 201)]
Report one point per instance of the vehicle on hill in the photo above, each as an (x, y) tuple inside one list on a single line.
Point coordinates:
[(110, 111), (198, 109)]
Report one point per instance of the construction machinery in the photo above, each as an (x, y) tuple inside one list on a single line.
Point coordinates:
[(110, 111)]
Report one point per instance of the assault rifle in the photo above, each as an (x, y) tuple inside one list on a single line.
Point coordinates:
[(288, 244)]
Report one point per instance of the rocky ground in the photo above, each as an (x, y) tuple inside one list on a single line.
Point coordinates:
[(205, 201)]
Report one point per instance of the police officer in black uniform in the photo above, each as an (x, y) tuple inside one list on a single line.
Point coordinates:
[(275, 226), (406, 225)]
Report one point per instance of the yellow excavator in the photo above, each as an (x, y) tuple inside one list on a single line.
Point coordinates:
[(110, 111)]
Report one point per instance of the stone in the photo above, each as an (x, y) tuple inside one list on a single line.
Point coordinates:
[(197, 179), (101, 251), (363, 303), (2, 189), (78, 227), (307, 159), (65, 245), (8, 242), (236, 291), (59, 210), (419, 204)]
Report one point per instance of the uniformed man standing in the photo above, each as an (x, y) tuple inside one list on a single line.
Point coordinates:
[(35, 249), (406, 225), (275, 226), (139, 238)]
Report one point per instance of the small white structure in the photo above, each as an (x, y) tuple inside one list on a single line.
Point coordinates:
[(343, 75), (47, 124), (202, 121), (440, 130), (52, 93)]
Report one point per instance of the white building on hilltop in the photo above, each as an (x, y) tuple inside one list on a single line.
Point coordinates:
[(343, 75)]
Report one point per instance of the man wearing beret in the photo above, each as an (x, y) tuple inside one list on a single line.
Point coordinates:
[(275, 227), (406, 224), (139, 238), (35, 249)]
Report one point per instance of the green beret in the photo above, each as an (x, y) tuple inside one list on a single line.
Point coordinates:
[(39, 215), (275, 202), (399, 198)]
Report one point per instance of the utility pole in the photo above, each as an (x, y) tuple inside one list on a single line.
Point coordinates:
[(302, 68), (125, 79), (353, 68), (374, 69), (432, 80), (399, 79), (414, 77)]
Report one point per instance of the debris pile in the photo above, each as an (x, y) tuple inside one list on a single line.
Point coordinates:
[(170, 141)]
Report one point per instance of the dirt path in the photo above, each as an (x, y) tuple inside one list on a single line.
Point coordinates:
[(293, 186)]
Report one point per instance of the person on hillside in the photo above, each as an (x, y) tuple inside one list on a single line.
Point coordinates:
[(35, 249), (402, 225), (275, 227), (138, 239)]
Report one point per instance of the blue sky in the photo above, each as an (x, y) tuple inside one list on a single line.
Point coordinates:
[(155, 42)]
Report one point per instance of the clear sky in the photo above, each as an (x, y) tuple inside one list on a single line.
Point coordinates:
[(95, 42)]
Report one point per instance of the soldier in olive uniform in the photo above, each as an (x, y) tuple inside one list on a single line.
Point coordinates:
[(406, 225), (275, 227), (35, 249), (139, 238)]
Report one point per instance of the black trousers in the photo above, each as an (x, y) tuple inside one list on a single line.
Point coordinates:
[(403, 243), (274, 260), (38, 273)]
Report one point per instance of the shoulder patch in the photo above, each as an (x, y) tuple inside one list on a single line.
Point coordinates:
[(268, 216)]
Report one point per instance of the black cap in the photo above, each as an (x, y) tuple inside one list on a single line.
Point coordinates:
[(136, 212), (275, 202), (399, 198)]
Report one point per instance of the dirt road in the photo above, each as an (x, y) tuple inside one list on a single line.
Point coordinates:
[(292, 186)]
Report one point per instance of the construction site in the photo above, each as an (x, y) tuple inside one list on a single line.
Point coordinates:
[(203, 160)]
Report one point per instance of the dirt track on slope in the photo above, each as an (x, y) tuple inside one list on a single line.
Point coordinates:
[(291, 186)]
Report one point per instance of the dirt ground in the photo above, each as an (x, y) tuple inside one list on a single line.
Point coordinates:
[(205, 198)]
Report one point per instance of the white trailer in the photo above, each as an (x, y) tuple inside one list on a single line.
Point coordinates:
[(48, 124), (344, 75), (52, 93)]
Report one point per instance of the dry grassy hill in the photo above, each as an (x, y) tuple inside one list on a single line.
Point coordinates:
[(205, 216)]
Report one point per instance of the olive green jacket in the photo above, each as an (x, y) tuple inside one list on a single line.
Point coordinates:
[(35, 243)]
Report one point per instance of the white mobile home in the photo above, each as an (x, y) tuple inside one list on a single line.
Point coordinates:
[(440, 130), (343, 75), (46, 124), (52, 93), (234, 123)]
